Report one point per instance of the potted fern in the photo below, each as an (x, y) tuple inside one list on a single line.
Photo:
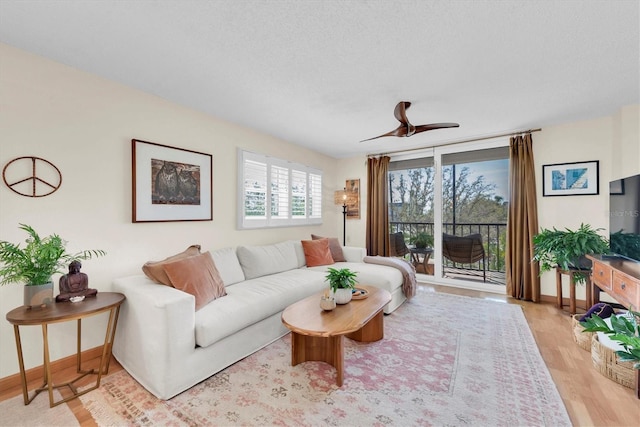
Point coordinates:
[(34, 264), (422, 240), (341, 281), (567, 249)]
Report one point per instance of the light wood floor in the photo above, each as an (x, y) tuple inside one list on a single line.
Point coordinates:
[(591, 399)]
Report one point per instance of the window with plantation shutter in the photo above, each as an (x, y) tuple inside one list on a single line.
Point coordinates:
[(299, 194), (277, 193), (315, 196)]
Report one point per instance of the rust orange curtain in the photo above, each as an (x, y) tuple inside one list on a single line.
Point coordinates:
[(377, 210), (523, 281)]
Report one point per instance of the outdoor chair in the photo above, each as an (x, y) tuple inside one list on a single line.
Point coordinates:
[(397, 246), (464, 250)]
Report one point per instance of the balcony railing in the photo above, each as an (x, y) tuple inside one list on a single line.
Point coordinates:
[(493, 239)]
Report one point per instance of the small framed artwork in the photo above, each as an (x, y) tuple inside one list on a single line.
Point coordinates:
[(570, 179), (616, 188), (170, 184), (353, 198)]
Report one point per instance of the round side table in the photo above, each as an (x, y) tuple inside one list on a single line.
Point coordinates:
[(64, 312)]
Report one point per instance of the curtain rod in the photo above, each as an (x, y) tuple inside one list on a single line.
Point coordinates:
[(456, 142)]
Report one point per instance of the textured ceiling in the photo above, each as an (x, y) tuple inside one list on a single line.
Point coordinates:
[(327, 74)]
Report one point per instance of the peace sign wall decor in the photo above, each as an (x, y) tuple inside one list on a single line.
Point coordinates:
[(32, 176)]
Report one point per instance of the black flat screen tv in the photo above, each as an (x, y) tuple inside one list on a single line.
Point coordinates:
[(624, 217)]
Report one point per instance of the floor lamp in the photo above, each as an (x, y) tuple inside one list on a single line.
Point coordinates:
[(340, 198)]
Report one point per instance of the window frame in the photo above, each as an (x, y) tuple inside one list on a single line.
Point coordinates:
[(310, 191)]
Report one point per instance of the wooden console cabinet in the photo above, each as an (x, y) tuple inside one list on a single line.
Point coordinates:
[(620, 278)]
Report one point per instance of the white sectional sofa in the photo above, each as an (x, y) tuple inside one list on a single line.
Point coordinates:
[(168, 346)]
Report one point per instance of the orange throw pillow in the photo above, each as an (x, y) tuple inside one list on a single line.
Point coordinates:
[(334, 246), (197, 276), (155, 269), (316, 252)]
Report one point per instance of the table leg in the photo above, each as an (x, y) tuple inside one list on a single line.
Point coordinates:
[(113, 334), (558, 289), (330, 350), (589, 298), (572, 293), (23, 375), (427, 268), (79, 346), (372, 331), (595, 297), (47, 364)]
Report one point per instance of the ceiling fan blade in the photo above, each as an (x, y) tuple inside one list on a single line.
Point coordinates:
[(400, 112), (399, 131), (406, 128), (433, 126)]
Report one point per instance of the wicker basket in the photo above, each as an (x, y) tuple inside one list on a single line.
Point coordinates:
[(583, 339), (605, 360)]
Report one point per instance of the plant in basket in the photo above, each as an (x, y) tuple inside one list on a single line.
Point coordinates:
[(624, 329)]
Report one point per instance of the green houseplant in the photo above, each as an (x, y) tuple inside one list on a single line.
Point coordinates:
[(624, 330), (341, 281), (422, 240), (567, 249), (35, 263), (627, 244)]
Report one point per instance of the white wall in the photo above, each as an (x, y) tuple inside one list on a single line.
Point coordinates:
[(84, 124), (614, 141)]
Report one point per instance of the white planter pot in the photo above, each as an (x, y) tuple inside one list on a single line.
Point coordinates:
[(342, 296)]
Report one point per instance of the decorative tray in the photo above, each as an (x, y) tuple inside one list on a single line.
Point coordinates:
[(359, 293)]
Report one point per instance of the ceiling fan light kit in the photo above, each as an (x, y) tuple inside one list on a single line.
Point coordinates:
[(406, 129)]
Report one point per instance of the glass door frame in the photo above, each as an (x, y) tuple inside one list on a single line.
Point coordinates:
[(436, 153)]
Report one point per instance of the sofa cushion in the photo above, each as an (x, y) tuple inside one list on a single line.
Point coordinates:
[(254, 300), (376, 275), (228, 266), (297, 246), (198, 276), (334, 246), (154, 270), (317, 252), (257, 261)]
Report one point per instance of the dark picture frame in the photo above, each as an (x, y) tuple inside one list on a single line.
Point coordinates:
[(571, 179), (170, 183)]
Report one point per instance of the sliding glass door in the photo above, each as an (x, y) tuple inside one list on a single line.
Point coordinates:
[(458, 197)]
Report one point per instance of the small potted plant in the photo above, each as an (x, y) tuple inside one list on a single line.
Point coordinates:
[(341, 281), (567, 249), (34, 264), (422, 240)]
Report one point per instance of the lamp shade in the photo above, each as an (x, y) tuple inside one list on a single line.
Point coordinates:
[(340, 197)]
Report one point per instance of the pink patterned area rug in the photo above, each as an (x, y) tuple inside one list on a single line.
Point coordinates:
[(446, 360)]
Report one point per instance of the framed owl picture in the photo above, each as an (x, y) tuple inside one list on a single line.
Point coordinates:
[(170, 183)]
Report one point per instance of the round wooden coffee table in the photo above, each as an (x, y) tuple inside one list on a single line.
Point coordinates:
[(318, 335)]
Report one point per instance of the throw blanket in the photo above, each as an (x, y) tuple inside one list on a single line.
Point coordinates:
[(407, 269)]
